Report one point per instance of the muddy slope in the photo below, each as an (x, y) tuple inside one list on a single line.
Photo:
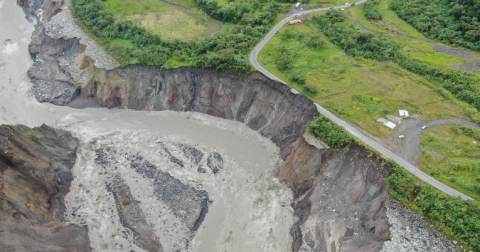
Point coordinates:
[(339, 197), (35, 176)]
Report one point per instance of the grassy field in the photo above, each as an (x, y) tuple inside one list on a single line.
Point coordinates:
[(312, 4), (391, 23), (171, 20), (452, 157), (124, 8), (361, 91), (176, 24)]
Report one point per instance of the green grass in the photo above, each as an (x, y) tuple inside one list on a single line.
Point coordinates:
[(390, 22), (420, 50), (453, 158), (313, 4), (360, 91), (165, 18), (186, 3), (175, 24), (125, 8)]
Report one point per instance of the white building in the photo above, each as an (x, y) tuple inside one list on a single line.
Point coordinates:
[(403, 113)]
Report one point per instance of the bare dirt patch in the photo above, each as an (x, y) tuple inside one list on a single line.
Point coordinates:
[(172, 24)]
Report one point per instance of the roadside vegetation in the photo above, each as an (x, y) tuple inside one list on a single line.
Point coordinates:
[(458, 218), (449, 21), (465, 86), (372, 10), (451, 154), (313, 4), (180, 43), (357, 89), (330, 133)]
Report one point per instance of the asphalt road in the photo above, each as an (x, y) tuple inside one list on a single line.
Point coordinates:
[(359, 134)]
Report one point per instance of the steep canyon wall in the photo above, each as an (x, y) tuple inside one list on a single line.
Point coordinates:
[(339, 195)]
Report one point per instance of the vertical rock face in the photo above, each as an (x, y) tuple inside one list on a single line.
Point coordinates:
[(35, 176), (264, 105), (339, 199)]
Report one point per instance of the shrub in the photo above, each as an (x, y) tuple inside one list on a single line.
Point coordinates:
[(297, 78), (371, 9), (310, 90), (329, 132)]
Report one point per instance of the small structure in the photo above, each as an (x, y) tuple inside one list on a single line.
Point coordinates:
[(295, 21), (403, 113), (389, 124)]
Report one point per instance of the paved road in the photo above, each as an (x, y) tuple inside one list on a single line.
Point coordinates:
[(258, 48), (359, 134)]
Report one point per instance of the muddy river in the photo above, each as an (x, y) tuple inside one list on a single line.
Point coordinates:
[(248, 208)]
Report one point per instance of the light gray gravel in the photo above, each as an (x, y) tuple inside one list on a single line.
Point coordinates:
[(63, 25), (411, 232)]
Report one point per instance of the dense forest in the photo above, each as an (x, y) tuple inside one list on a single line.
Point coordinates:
[(448, 21), (221, 51), (357, 43)]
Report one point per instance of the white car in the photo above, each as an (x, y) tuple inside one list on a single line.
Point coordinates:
[(342, 9), (424, 126), (401, 136)]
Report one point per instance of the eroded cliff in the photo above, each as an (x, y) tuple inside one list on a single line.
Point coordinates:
[(339, 196), (35, 174)]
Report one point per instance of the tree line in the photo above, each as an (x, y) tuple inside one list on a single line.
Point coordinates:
[(449, 21), (226, 50), (458, 218)]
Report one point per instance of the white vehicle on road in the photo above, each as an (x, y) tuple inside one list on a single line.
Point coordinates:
[(401, 136), (424, 126)]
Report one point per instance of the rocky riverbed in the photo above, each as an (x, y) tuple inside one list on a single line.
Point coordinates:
[(171, 181)]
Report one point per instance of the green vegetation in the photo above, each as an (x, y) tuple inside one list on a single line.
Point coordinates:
[(415, 49), (449, 21), (130, 43), (332, 134), (357, 89), (451, 155), (371, 9), (312, 4), (366, 45), (390, 22), (131, 7), (458, 218)]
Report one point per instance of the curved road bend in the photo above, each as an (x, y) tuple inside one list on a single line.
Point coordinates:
[(359, 134)]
